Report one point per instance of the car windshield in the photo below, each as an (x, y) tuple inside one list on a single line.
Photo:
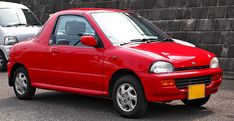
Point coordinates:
[(125, 27), (17, 17)]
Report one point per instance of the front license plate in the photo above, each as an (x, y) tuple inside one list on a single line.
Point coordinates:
[(196, 91)]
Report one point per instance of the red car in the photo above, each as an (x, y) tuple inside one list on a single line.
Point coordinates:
[(115, 54)]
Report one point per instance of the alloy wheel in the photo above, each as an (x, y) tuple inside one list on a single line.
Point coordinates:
[(126, 97), (21, 83)]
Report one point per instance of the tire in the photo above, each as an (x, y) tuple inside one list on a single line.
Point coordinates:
[(196, 102), (21, 84), (3, 62), (131, 103)]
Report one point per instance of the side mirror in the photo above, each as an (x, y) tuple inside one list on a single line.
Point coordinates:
[(52, 40), (88, 41)]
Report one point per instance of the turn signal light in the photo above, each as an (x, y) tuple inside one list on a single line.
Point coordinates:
[(168, 82), (216, 76)]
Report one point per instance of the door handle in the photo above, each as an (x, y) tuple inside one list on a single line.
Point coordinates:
[(54, 51)]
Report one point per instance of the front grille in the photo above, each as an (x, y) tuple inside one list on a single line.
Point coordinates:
[(192, 68), (183, 83)]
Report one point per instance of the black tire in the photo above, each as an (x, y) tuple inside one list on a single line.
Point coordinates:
[(3, 62), (141, 105), (29, 90), (196, 102)]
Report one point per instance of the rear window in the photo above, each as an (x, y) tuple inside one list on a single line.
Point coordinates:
[(14, 17)]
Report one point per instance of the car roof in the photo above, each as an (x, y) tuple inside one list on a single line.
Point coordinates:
[(12, 5), (93, 10)]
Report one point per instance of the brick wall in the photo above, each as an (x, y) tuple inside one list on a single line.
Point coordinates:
[(207, 23)]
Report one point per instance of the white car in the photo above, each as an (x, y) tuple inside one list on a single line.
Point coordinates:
[(17, 23)]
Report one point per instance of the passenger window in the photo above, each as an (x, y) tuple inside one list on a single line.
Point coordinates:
[(69, 30)]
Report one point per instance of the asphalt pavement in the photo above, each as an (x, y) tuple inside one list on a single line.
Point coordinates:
[(59, 106)]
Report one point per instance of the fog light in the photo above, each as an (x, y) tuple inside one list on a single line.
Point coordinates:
[(168, 82), (216, 76)]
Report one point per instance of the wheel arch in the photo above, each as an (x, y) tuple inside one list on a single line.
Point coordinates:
[(118, 74), (15, 66)]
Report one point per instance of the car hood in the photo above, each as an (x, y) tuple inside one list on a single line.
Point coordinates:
[(179, 55), (21, 32)]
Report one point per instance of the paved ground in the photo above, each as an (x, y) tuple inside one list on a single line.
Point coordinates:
[(57, 106)]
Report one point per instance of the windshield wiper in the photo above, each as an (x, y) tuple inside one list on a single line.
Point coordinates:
[(34, 24), (18, 24), (147, 40)]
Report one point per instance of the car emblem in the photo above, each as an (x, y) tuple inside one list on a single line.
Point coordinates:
[(193, 63)]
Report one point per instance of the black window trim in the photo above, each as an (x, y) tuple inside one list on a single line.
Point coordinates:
[(100, 44)]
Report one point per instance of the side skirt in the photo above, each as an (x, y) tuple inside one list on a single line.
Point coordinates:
[(71, 90)]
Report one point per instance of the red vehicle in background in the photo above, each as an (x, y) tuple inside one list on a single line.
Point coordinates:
[(116, 54)]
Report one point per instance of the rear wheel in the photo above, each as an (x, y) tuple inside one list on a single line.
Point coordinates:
[(22, 86), (196, 102), (128, 97), (3, 62)]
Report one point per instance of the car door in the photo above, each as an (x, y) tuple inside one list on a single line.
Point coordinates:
[(69, 62)]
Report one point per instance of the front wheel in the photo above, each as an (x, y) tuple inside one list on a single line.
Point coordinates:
[(22, 86), (128, 97), (196, 102)]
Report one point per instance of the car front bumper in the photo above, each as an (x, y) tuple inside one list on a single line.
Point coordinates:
[(156, 92)]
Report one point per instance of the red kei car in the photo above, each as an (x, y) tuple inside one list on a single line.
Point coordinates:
[(116, 54)]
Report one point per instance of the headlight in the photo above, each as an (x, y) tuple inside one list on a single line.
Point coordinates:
[(161, 67), (214, 63), (10, 40)]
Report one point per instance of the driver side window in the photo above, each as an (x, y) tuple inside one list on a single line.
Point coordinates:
[(69, 30)]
